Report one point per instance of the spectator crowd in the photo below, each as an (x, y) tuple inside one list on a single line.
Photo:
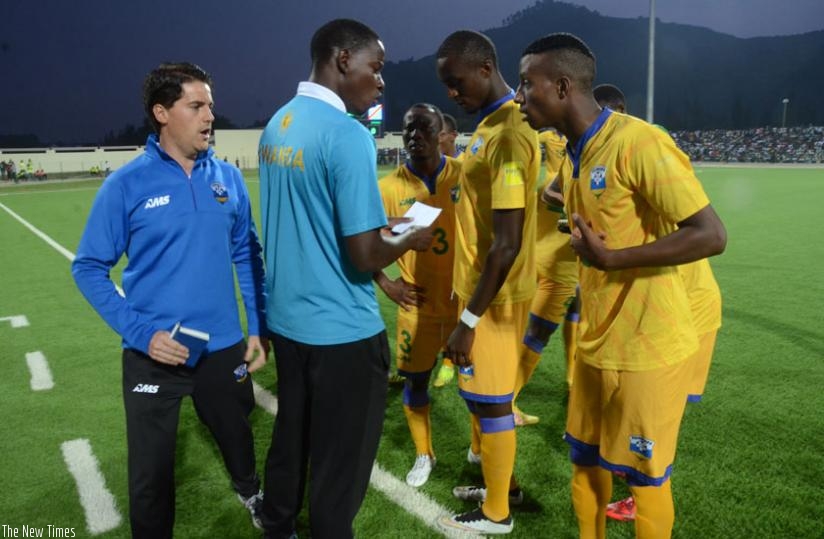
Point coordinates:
[(761, 145)]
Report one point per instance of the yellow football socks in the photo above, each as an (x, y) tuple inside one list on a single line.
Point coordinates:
[(526, 366), (654, 511), (591, 490), (475, 439), (420, 427), (497, 462)]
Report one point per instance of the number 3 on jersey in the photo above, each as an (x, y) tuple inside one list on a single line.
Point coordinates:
[(405, 346), (441, 246)]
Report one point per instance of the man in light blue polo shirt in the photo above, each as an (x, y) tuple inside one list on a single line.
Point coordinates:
[(322, 221)]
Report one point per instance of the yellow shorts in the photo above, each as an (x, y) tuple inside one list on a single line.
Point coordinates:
[(495, 354), (701, 365), (552, 299), (628, 421), (418, 342)]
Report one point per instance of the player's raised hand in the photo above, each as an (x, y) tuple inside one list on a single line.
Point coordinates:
[(589, 245)]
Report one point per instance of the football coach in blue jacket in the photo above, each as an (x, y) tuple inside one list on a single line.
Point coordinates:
[(183, 219)]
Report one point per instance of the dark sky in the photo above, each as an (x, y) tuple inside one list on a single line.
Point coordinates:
[(72, 70)]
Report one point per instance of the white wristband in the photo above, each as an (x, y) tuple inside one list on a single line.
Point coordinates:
[(469, 319)]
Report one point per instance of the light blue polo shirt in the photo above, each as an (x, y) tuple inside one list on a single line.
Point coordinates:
[(318, 185)]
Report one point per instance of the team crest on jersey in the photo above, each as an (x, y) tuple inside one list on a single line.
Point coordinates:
[(598, 180), (240, 373), (476, 145), (220, 192), (641, 446), (285, 122), (455, 193)]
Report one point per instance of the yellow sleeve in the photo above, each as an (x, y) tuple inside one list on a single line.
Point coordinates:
[(509, 155), (664, 176)]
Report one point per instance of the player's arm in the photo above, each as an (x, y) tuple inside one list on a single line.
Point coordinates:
[(102, 244), (700, 235), (552, 194), (375, 249), (508, 226), (248, 260)]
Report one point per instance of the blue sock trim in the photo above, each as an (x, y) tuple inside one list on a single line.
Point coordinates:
[(581, 453), (487, 399), (534, 344), (471, 406), (693, 398), (535, 319), (573, 317), (415, 399), (634, 477), (491, 425)]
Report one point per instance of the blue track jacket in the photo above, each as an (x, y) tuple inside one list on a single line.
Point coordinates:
[(181, 236)]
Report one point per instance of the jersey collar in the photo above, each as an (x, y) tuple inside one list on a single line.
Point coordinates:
[(430, 181), (575, 153), (489, 109)]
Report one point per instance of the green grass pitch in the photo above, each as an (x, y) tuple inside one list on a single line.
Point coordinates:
[(751, 455)]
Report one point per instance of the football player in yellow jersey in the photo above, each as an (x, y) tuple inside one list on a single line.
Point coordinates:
[(427, 312), (448, 137), (494, 276), (705, 303), (447, 145), (638, 212), (557, 269)]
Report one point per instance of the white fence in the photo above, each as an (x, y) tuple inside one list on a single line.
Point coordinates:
[(237, 146)]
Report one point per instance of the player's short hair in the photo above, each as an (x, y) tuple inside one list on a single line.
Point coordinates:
[(609, 95), (340, 34), (449, 122), (433, 109), (164, 85), (573, 57), (469, 46)]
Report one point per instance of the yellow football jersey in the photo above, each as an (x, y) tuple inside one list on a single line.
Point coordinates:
[(704, 295), (500, 172), (632, 183), (554, 144), (431, 269), (554, 258)]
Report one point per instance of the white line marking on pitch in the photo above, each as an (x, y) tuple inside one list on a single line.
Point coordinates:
[(43, 236), (97, 501), (265, 399), (410, 499), (48, 191), (16, 321), (41, 376)]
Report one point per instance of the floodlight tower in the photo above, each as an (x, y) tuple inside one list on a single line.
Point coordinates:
[(784, 113), (651, 62)]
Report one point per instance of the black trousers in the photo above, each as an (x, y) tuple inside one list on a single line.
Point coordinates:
[(331, 402), (152, 393)]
